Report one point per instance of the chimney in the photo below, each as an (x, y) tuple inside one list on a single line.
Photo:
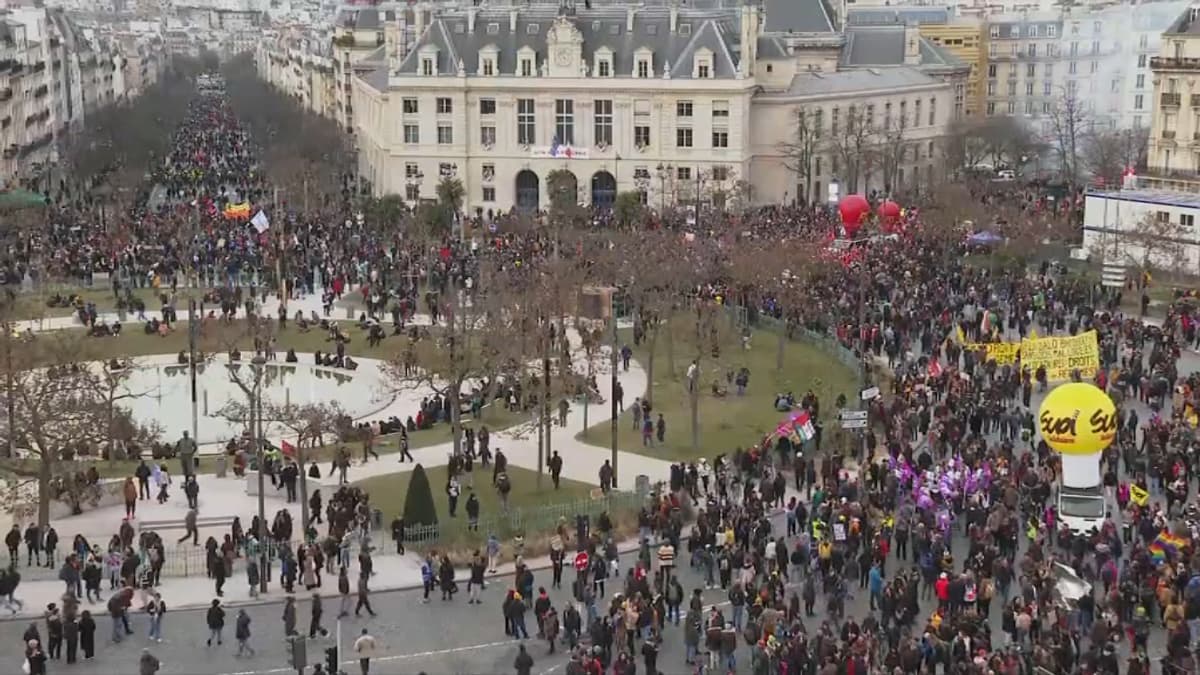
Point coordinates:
[(630, 13), (912, 44), (512, 20), (471, 19), (419, 20), (674, 16)]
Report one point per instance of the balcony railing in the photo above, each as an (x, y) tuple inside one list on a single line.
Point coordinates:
[(1170, 100), (39, 66), (1174, 63), (41, 91), (1168, 134), (11, 151), (6, 93)]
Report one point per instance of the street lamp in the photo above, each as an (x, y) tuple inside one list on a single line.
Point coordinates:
[(256, 435), (257, 364), (662, 171), (415, 180)]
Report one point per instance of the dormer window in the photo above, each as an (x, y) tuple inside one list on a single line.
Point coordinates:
[(643, 63), (702, 64), (604, 62), (489, 61), (428, 56), (527, 62)]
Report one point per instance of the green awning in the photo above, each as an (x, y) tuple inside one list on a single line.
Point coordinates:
[(18, 198)]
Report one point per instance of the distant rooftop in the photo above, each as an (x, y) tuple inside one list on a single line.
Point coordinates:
[(1148, 196), (1188, 23), (884, 16)]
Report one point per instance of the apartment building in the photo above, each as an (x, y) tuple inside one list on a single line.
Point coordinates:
[(674, 102), (1175, 130)]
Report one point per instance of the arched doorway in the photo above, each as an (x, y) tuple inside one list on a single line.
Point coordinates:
[(604, 190), (527, 190)]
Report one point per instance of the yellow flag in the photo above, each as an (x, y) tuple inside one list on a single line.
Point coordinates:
[(1138, 495), (1033, 334), (962, 337)]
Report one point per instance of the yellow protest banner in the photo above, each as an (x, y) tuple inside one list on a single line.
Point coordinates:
[(1138, 495), (1060, 356)]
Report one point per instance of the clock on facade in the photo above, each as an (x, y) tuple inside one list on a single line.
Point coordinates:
[(563, 57)]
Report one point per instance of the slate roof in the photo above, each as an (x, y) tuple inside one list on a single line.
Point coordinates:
[(377, 79), (881, 16), (601, 27), (850, 81), (360, 18), (797, 16), (884, 46), (874, 46)]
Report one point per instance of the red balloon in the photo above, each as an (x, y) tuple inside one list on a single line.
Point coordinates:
[(889, 210), (852, 209)]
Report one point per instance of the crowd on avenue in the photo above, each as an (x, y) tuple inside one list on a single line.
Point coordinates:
[(942, 518)]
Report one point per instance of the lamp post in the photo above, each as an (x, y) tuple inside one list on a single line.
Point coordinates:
[(662, 171), (416, 180), (256, 434)]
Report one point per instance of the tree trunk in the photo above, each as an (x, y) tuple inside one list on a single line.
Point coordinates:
[(670, 348), (651, 342), (455, 422), (694, 404), (44, 476)]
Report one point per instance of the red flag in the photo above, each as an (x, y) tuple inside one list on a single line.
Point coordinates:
[(935, 368), (288, 449)]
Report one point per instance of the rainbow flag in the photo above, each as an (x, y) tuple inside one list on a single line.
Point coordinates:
[(1171, 542), (1158, 553), (238, 210)]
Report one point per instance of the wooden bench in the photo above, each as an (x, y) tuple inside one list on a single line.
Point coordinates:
[(180, 523)]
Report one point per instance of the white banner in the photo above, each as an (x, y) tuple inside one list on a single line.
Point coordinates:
[(559, 152)]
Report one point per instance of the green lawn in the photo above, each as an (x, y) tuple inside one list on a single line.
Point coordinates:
[(32, 305), (388, 494), (729, 422)]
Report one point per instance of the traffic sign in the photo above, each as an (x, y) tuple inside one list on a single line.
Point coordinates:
[(854, 424), (581, 561), (869, 393), (852, 414)]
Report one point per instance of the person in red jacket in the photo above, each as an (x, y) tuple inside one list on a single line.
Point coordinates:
[(942, 588)]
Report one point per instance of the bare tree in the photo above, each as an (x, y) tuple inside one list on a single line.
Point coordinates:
[(465, 347), (57, 413), (891, 148), (1108, 153), (964, 146), (800, 153), (851, 141), (1069, 125), (1155, 243)]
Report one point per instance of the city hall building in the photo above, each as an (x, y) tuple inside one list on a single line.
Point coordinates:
[(668, 100)]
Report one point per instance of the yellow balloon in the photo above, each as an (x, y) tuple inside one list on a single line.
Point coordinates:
[(1078, 419)]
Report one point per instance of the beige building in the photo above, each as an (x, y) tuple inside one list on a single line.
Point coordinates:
[(1175, 131), (668, 100)]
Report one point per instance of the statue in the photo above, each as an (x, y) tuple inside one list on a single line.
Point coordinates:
[(186, 447)]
